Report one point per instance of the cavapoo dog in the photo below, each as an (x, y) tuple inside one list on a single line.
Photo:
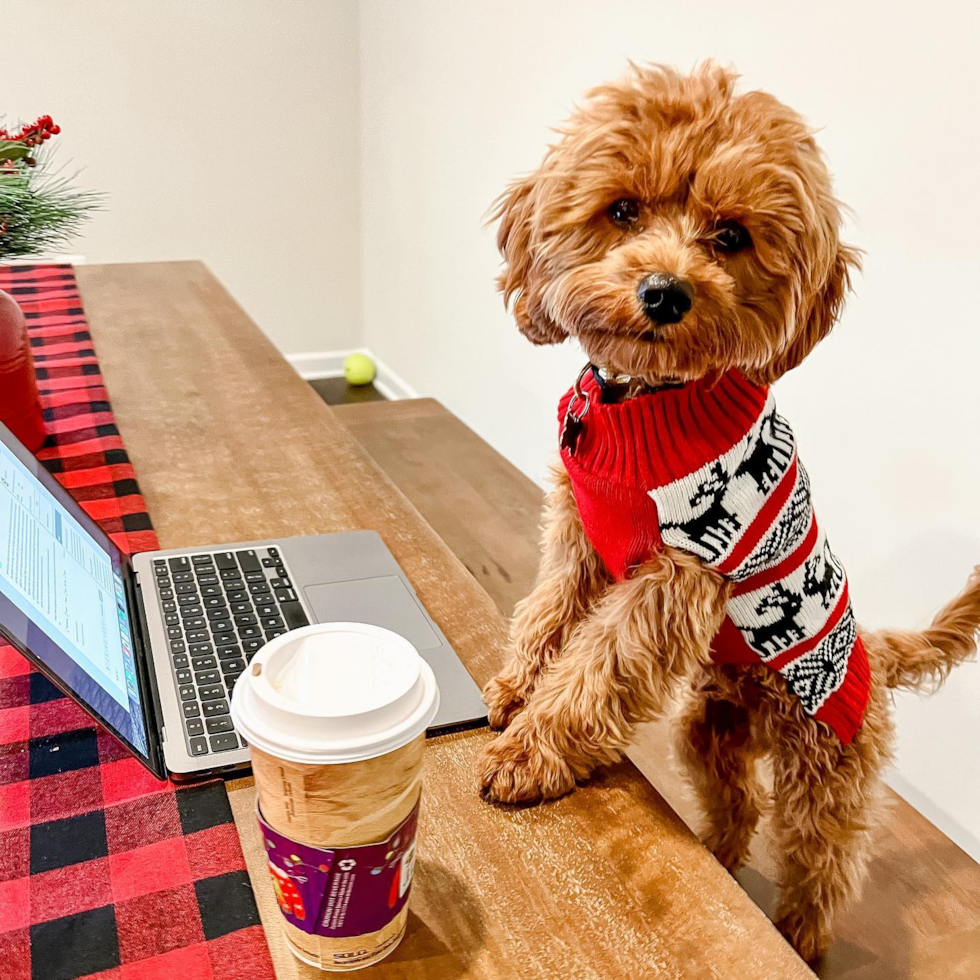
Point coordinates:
[(688, 237)]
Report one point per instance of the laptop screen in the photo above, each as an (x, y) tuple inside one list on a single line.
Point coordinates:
[(62, 595)]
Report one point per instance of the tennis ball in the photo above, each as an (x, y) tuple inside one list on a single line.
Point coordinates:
[(358, 369)]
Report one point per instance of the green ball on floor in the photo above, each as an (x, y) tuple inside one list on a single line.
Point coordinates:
[(359, 369)]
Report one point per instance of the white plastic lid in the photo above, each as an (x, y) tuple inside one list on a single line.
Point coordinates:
[(334, 693)]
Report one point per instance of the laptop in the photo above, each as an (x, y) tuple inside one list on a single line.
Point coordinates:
[(151, 645)]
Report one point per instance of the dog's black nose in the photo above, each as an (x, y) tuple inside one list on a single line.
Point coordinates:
[(665, 298)]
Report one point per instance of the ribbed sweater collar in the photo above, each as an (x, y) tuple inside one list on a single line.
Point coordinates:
[(655, 438)]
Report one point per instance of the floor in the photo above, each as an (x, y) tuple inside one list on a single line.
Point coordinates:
[(336, 391)]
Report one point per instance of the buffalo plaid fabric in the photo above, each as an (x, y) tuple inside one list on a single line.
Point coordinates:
[(106, 872)]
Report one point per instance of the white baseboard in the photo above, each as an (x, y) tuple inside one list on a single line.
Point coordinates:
[(313, 365)]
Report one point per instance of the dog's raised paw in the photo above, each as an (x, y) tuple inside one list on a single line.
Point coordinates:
[(511, 772)]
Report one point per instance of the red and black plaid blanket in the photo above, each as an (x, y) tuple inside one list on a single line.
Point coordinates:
[(105, 872)]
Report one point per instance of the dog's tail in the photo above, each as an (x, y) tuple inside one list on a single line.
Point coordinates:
[(921, 660)]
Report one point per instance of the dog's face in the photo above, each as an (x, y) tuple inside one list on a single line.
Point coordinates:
[(678, 230)]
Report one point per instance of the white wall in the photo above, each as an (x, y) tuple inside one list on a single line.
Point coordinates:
[(224, 130), (457, 98)]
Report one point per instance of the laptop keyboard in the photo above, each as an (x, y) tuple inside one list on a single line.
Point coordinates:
[(219, 608)]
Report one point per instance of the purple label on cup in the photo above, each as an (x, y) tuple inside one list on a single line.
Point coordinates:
[(342, 891)]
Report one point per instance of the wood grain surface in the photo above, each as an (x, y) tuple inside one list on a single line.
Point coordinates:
[(230, 444), (919, 916)]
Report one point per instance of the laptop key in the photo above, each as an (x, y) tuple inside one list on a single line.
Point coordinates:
[(190, 612), (204, 663), (229, 574), (272, 622), (208, 578), (186, 692), (227, 652), (184, 676), (175, 632), (212, 692), (198, 636), (177, 646), (188, 599), (169, 607), (238, 608), (253, 646), (281, 583), (259, 588), (249, 632), (199, 746), (216, 615), (160, 567), (285, 595), (293, 614), (230, 680), (201, 649), (221, 625), (268, 609), (245, 619), (214, 708), (222, 743), (172, 619), (258, 576), (202, 560), (249, 561), (234, 665), (225, 559), (272, 634), (268, 562), (181, 660), (218, 725), (233, 585), (225, 638), (183, 576), (182, 588), (166, 594), (237, 595), (197, 623), (214, 601), (191, 709), (206, 677), (194, 726), (211, 590), (180, 564)]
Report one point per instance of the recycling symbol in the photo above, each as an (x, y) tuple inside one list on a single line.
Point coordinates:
[(346, 864)]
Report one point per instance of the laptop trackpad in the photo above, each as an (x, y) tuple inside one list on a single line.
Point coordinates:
[(377, 601)]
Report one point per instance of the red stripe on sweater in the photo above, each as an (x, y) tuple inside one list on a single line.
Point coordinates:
[(844, 709), (786, 567), (793, 653), (763, 520)]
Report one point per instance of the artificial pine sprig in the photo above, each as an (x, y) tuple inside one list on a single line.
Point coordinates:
[(39, 209)]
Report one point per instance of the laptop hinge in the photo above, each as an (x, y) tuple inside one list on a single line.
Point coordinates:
[(142, 656)]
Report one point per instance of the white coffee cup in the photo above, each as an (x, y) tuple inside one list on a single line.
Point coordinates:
[(335, 715)]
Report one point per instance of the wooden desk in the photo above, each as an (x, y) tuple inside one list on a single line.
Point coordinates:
[(230, 444)]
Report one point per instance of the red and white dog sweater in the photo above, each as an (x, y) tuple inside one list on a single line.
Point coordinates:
[(711, 468)]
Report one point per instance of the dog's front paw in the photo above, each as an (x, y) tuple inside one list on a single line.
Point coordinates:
[(503, 701), (513, 770)]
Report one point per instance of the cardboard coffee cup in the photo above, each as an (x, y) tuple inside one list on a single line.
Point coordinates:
[(335, 716)]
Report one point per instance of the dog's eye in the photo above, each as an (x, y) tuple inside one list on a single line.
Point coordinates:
[(730, 237), (624, 211)]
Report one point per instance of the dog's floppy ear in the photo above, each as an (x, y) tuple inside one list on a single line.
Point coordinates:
[(515, 209), (816, 319)]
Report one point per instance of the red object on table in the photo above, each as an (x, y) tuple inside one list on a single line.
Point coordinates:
[(20, 407)]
